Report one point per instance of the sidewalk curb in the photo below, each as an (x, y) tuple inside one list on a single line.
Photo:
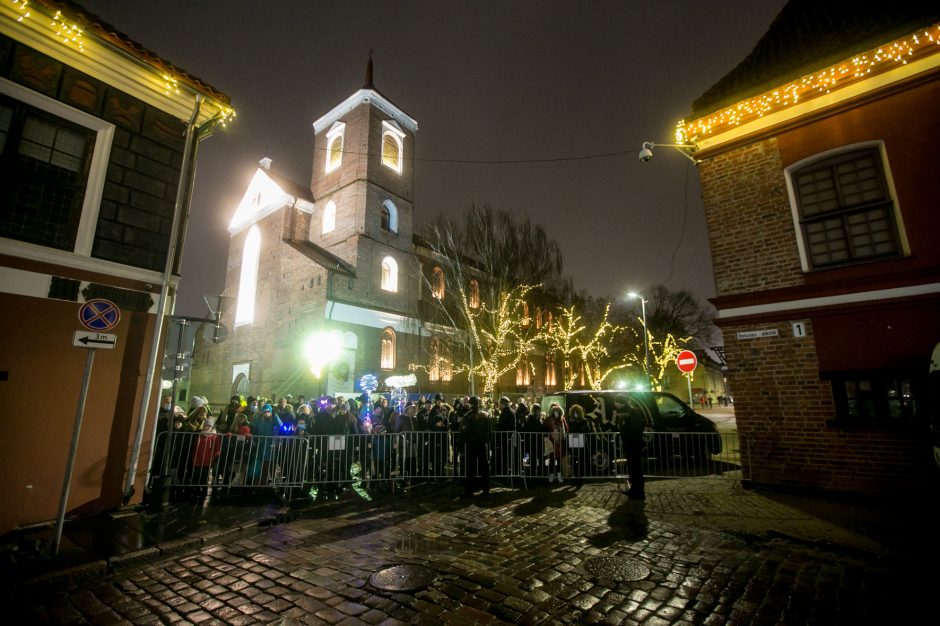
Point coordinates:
[(75, 574)]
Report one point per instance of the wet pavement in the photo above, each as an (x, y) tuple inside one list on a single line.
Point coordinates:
[(694, 552)]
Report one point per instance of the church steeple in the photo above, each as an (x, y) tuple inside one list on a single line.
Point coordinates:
[(369, 84)]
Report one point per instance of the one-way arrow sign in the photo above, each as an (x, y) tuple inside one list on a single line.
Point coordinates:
[(84, 339)]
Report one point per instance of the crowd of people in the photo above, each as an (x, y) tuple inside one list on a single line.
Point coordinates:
[(335, 440)]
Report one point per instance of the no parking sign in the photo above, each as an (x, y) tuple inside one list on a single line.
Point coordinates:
[(99, 315)]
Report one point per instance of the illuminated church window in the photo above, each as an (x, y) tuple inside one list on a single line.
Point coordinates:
[(329, 217), (392, 146), (248, 280), (474, 294), (388, 349), (389, 274), (334, 146), (437, 283)]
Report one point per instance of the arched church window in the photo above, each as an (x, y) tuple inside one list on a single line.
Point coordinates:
[(388, 349), (392, 146), (474, 294), (334, 146), (437, 282), (248, 279), (389, 216), (329, 217), (389, 274)]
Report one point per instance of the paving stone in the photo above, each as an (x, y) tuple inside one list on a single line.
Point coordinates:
[(495, 565)]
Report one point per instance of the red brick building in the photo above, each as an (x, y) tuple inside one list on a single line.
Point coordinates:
[(97, 148), (817, 157)]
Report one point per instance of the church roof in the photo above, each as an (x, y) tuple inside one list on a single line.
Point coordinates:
[(321, 256), (366, 96), (809, 35), (290, 186)]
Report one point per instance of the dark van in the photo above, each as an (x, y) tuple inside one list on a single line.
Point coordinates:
[(671, 418)]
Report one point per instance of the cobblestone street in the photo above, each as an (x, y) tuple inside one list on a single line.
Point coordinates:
[(691, 555)]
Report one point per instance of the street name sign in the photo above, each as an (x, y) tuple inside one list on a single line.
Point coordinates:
[(84, 339), (757, 334), (686, 361)]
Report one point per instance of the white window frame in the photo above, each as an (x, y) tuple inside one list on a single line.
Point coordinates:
[(329, 218), (389, 280), (91, 205), (790, 170), (336, 132), (391, 129), (248, 278)]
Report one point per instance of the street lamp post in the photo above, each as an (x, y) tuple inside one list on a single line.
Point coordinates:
[(646, 338)]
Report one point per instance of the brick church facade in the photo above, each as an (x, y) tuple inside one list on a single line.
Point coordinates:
[(332, 276)]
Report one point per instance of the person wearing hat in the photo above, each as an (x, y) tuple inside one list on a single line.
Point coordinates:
[(263, 431), (476, 430), (632, 420)]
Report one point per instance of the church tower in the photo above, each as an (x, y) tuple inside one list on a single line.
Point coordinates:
[(325, 272), (362, 184)]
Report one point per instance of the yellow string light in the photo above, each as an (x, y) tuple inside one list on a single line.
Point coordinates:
[(23, 7), (836, 76), (70, 34)]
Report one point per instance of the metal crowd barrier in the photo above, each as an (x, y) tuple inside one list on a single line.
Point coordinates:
[(196, 462)]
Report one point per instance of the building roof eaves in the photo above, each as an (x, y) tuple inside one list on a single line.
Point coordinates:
[(371, 96), (809, 35), (94, 25), (321, 257)]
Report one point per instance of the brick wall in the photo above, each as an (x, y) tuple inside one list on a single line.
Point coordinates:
[(782, 408), (749, 221)]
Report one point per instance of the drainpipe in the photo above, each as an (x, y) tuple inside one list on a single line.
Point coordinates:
[(182, 193)]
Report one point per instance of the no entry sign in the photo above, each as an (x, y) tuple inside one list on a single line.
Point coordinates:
[(686, 361)]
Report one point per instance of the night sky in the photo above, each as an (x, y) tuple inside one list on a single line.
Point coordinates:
[(565, 91)]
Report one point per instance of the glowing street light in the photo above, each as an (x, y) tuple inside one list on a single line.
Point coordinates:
[(646, 337), (322, 349)]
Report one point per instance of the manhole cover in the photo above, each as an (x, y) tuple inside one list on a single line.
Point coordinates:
[(616, 568), (402, 578)]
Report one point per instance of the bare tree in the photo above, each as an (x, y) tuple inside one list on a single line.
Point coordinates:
[(680, 314), (490, 261)]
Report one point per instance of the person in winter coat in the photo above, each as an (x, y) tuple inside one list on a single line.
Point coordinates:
[(207, 451), (504, 448), (476, 430), (437, 440), (557, 427), (578, 454), (264, 429), (532, 440), (632, 420)]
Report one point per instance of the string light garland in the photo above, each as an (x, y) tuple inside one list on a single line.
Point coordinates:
[(859, 67), (23, 7), (71, 34)]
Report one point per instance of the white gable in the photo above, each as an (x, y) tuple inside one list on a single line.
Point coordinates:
[(262, 198)]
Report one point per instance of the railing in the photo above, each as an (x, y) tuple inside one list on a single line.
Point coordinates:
[(196, 462)]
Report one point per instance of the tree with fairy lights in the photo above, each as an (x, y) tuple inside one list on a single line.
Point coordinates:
[(479, 272), (585, 348), (662, 350)]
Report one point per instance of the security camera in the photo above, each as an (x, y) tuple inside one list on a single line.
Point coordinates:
[(646, 152)]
